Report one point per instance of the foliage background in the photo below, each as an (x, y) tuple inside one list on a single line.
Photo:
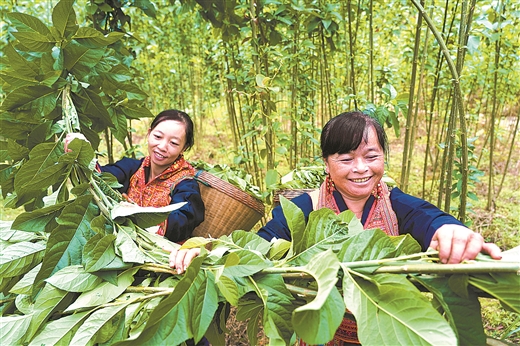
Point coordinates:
[(261, 78)]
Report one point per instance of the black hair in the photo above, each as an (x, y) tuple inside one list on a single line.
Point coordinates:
[(180, 116), (343, 133)]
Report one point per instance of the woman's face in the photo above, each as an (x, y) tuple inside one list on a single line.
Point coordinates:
[(356, 174), (165, 143)]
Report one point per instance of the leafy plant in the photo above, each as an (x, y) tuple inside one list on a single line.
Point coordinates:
[(123, 291)]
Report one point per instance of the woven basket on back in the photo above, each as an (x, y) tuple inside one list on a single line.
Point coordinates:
[(227, 207)]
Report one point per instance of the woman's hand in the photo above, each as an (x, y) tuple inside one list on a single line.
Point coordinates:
[(181, 259), (69, 137), (457, 243)]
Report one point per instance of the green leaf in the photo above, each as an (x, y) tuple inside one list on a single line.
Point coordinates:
[(91, 105), (136, 111), (160, 330), (60, 331), (278, 308), (228, 288), (98, 252), (99, 326), (79, 59), (502, 286), (65, 243), (324, 230), (20, 65), (317, 321), (404, 315), (105, 292), (74, 279), (19, 258), (24, 285), (35, 41), (39, 220), (248, 264), (127, 249), (91, 37), (26, 23), (368, 245), (463, 313), (295, 222), (49, 300), (143, 216), (40, 100), (13, 329), (250, 241), (64, 18)]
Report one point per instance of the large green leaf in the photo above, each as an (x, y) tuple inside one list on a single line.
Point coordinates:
[(502, 286), (404, 315), (35, 41), (60, 331), (325, 230), (463, 312), (278, 308), (74, 278), (49, 300), (40, 100), (99, 327), (64, 18), (79, 59), (19, 258), (26, 23), (250, 241), (91, 37), (317, 321), (91, 104), (65, 243), (34, 175), (368, 245), (98, 252), (295, 222), (24, 285), (20, 65), (243, 263), (126, 247), (39, 220), (160, 330), (13, 328), (105, 292), (143, 216)]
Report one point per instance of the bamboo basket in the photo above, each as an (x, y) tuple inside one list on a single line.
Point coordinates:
[(227, 207), (289, 194)]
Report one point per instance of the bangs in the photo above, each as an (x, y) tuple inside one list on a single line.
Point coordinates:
[(341, 136)]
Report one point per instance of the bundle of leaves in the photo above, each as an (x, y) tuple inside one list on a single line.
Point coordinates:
[(99, 280)]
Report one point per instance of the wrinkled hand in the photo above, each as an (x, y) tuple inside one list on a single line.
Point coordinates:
[(457, 243), (181, 259), (69, 137)]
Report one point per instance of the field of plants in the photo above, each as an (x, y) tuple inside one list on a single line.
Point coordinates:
[(259, 78)]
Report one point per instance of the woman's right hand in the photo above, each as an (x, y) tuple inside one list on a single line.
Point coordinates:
[(181, 259), (69, 137)]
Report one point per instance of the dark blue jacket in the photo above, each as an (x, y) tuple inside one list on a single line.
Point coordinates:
[(415, 216), (181, 222)]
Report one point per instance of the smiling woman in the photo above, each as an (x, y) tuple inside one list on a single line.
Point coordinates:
[(353, 148), (163, 177)]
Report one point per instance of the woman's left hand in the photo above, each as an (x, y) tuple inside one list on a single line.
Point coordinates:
[(457, 243)]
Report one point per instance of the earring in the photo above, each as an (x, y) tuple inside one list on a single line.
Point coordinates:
[(378, 191), (330, 184)]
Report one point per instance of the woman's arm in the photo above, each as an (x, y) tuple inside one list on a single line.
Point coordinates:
[(433, 228), (182, 222)]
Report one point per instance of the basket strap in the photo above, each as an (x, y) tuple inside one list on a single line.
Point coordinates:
[(196, 177)]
